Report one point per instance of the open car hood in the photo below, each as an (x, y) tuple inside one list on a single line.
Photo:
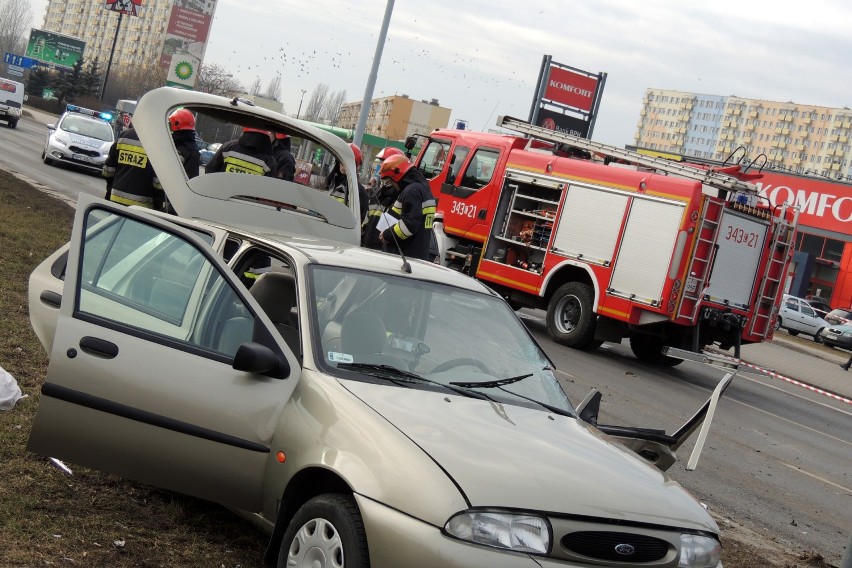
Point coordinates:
[(263, 204)]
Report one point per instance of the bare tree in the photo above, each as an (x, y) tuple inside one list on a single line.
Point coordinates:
[(16, 17), (273, 89), (133, 82), (335, 101), (317, 103), (213, 78)]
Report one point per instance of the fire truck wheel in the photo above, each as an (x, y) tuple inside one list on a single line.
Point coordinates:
[(648, 348), (570, 319)]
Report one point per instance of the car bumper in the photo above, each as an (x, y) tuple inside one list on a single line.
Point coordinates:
[(833, 340), (66, 156), (10, 113)]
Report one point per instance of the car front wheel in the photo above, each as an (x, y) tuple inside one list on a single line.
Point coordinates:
[(818, 335), (326, 532)]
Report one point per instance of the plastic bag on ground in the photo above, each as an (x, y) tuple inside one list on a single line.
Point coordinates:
[(10, 392)]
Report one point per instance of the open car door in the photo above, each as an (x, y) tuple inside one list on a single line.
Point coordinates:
[(163, 368)]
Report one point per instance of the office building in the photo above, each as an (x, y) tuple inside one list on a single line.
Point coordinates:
[(799, 138), (397, 117)]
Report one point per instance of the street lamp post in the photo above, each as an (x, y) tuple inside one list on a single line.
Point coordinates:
[(299, 112)]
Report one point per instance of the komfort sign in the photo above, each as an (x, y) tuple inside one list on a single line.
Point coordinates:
[(823, 204), (570, 88)]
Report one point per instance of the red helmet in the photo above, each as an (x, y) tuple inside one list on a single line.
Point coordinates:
[(394, 167), (250, 129), (387, 152), (281, 136), (357, 151), (181, 119)]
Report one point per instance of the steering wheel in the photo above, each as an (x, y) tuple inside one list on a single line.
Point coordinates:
[(458, 362)]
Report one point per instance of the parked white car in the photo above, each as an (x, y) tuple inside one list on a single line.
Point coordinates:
[(800, 315)]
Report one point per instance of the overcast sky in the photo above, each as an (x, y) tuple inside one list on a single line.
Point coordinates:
[(482, 58)]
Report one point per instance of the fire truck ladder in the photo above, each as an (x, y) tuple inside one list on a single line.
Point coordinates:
[(710, 177), (773, 274), (702, 261)]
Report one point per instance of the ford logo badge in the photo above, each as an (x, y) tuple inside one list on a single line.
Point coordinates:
[(625, 549)]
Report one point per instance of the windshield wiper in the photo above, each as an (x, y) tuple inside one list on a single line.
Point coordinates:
[(491, 384), (394, 374), (501, 382)]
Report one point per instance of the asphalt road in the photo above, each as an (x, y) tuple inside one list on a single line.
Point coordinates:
[(778, 459), (20, 152)]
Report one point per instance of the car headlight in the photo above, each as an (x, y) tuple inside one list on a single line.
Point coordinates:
[(510, 531), (698, 551), (59, 139)]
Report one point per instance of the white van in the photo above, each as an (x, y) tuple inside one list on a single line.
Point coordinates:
[(12, 98)]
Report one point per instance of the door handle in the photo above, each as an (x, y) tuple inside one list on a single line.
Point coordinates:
[(99, 347), (51, 298)]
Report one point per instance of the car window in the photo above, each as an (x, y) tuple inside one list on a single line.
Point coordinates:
[(792, 304), (85, 127), (146, 280), (434, 157), (423, 327), (480, 168), (808, 311)]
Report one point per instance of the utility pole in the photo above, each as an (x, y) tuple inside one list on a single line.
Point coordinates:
[(371, 81), (299, 112), (112, 51)]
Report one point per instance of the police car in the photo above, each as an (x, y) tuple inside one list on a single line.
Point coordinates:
[(82, 137)]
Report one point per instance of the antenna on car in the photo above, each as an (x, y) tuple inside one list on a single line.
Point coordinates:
[(406, 267)]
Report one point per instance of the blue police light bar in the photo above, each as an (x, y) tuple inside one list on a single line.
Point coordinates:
[(102, 115)]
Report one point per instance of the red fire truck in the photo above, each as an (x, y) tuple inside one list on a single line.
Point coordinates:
[(611, 243)]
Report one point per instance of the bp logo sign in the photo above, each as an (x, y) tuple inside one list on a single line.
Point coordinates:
[(184, 70)]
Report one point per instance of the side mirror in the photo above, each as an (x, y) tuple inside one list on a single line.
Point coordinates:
[(256, 358), (410, 142), (51, 126)]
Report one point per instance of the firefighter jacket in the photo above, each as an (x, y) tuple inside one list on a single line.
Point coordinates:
[(338, 189), (369, 226), (251, 153), (414, 210), (187, 149), (285, 160), (129, 174)]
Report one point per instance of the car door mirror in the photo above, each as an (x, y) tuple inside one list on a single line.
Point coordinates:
[(256, 358)]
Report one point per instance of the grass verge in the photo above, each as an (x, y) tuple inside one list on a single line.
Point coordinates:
[(89, 518)]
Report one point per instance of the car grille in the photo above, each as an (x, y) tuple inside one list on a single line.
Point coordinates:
[(615, 546), (84, 151)]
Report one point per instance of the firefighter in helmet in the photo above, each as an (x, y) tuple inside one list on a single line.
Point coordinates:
[(251, 153), (338, 187), (182, 125), (130, 177), (413, 208), (281, 149)]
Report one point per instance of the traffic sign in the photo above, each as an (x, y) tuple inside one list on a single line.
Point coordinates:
[(15, 72), (20, 61)]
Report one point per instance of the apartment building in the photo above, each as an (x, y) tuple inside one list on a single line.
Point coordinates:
[(161, 30), (802, 139), (397, 117)]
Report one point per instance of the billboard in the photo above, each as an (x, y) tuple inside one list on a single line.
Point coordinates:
[(187, 32), (54, 50), (570, 88), (563, 123), (127, 7)]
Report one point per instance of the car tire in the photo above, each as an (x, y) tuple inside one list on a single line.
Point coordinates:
[(818, 335), (47, 160), (570, 319), (649, 349), (793, 332), (778, 323), (13, 123), (326, 531)]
